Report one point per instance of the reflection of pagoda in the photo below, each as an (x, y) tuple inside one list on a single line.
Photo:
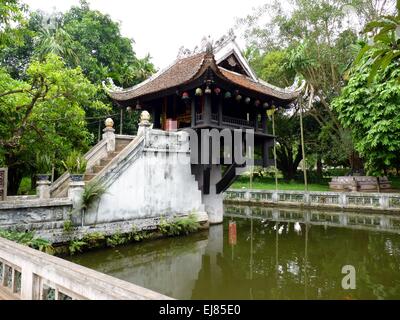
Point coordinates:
[(210, 88)]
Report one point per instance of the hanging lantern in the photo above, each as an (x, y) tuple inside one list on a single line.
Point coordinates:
[(208, 90), (129, 109), (236, 92), (257, 103), (138, 106), (265, 105), (247, 100), (185, 96), (238, 97), (199, 92), (228, 95), (217, 91)]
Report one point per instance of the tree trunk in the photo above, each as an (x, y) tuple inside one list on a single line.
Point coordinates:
[(14, 180)]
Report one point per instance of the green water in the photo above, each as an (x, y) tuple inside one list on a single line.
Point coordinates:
[(271, 260)]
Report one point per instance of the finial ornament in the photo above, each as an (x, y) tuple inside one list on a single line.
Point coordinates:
[(109, 123), (145, 118)]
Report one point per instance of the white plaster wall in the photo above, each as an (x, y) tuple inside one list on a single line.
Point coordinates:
[(156, 183)]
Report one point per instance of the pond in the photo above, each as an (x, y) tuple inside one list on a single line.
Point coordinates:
[(272, 254)]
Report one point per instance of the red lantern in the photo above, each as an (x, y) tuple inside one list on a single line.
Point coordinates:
[(185, 96), (217, 91), (257, 103)]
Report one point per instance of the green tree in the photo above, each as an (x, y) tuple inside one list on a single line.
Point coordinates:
[(45, 113), (372, 113), (11, 20), (384, 46)]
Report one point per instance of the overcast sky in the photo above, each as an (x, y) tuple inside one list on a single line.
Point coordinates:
[(162, 27)]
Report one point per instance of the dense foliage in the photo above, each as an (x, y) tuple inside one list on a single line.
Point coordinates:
[(51, 70), (316, 41)]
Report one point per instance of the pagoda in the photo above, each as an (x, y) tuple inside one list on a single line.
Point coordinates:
[(211, 87)]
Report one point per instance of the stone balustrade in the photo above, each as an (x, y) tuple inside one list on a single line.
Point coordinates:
[(350, 200), (29, 274)]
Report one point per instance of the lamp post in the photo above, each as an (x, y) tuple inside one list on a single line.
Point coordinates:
[(302, 143), (271, 113)]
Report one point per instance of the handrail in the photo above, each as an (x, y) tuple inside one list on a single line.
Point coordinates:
[(34, 273), (350, 200)]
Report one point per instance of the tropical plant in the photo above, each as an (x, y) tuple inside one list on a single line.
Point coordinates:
[(75, 163), (384, 46), (28, 239), (91, 193), (44, 163), (76, 246), (117, 239), (94, 240), (179, 226)]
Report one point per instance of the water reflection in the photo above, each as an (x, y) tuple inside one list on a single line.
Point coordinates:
[(274, 254)]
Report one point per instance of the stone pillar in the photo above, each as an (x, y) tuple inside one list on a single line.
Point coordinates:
[(75, 191), (109, 135), (144, 123), (43, 189), (213, 202)]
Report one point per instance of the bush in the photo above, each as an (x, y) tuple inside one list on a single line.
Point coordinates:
[(76, 246), (180, 226), (28, 239)]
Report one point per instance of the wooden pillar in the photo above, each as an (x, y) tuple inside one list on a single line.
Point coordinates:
[(164, 113), (156, 117), (207, 109), (265, 142), (255, 117), (193, 112), (264, 121), (220, 115)]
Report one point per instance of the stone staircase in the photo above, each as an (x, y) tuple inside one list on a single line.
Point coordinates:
[(98, 158), (92, 172)]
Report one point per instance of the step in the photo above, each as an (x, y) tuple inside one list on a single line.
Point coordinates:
[(104, 162), (88, 176), (97, 169)]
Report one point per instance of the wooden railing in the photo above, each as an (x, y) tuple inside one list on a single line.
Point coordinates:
[(33, 275), (352, 200)]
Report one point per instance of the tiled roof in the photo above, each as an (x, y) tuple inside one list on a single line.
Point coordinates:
[(187, 69), (265, 88), (179, 73)]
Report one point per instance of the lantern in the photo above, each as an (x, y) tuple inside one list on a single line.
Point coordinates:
[(208, 90), (238, 97), (199, 92), (228, 95), (247, 100), (129, 109), (138, 106), (257, 103), (217, 91), (265, 105), (185, 96)]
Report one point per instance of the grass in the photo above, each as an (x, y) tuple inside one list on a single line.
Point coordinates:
[(269, 184)]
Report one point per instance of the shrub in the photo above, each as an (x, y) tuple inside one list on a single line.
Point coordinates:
[(28, 239), (76, 246), (179, 226), (92, 192)]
